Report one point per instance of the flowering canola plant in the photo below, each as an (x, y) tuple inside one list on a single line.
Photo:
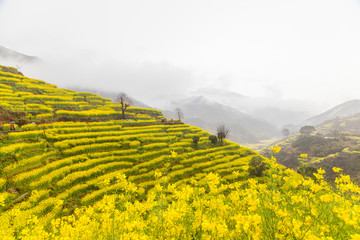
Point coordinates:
[(281, 205), (172, 191)]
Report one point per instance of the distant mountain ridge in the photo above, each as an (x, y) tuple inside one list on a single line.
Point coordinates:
[(345, 109), (207, 114), (9, 54), (277, 112)]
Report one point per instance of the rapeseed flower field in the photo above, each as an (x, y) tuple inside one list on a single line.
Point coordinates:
[(282, 205), (77, 171)]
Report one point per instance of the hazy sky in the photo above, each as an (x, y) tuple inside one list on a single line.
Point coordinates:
[(305, 49)]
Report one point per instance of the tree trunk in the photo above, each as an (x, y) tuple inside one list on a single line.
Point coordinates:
[(122, 111)]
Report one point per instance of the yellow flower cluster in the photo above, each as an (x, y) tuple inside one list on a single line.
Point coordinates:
[(188, 200), (285, 207), (275, 149), (38, 97), (18, 147)]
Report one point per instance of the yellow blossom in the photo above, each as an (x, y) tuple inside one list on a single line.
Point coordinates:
[(275, 149), (173, 154), (336, 169), (158, 174)]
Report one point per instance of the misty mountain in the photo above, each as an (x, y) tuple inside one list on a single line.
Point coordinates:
[(201, 112), (111, 95), (13, 56), (223, 96), (277, 112), (346, 109), (279, 117)]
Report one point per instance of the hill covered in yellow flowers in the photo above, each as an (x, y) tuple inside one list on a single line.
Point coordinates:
[(74, 168)]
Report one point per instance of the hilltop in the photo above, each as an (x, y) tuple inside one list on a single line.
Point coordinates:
[(8, 54), (27, 100), (333, 144), (346, 109), (13, 70), (76, 167)]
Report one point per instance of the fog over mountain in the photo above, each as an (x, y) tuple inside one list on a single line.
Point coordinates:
[(276, 111), (202, 112), (19, 60), (260, 49), (16, 57), (250, 118), (347, 109), (262, 58)]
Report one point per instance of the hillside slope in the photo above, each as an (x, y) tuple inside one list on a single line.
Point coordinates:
[(333, 144), (274, 111), (67, 143), (77, 168), (8, 54), (201, 112), (35, 100), (70, 161), (346, 109)]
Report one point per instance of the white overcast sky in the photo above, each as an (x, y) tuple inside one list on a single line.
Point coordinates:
[(292, 49)]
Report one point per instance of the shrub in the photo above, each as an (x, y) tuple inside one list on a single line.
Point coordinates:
[(307, 171), (22, 122), (257, 166), (196, 140), (307, 130), (213, 139)]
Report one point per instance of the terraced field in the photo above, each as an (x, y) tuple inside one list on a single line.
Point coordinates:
[(69, 162), (38, 100), (75, 168)]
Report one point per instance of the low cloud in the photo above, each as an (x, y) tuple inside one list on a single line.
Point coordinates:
[(156, 84)]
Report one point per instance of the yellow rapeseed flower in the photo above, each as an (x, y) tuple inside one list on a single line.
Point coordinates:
[(173, 154), (321, 171), (326, 198), (158, 174), (275, 149), (355, 237)]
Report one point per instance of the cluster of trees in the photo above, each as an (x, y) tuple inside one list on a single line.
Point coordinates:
[(305, 130), (221, 133)]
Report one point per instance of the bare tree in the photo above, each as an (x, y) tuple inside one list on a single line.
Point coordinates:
[(285, 132), (125, 102), (179, 113), (222, 132), (18, 68)]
